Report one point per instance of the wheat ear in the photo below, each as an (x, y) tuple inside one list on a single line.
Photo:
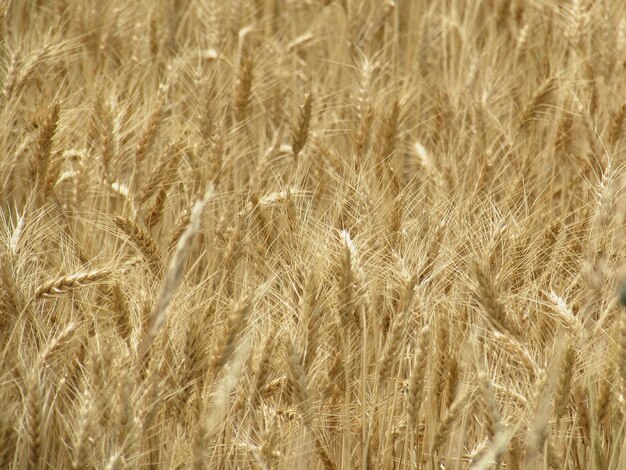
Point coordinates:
[(63, 284), (172, 278), (300, 133)]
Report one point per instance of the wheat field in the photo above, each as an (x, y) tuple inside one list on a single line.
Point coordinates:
[(308, 234)]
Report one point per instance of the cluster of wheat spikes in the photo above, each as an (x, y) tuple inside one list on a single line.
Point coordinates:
[(312, 234)]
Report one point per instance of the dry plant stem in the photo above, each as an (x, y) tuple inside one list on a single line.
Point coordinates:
[(622, 357), (34, 417)]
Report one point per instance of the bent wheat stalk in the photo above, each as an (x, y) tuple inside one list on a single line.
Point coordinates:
[(172, 279)]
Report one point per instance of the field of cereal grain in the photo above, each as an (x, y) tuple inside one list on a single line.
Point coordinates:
[(312, 234)]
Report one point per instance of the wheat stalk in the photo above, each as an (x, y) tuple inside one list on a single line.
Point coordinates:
[(34, 412)]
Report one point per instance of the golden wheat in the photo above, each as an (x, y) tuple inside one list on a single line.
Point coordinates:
[(323, 234)]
